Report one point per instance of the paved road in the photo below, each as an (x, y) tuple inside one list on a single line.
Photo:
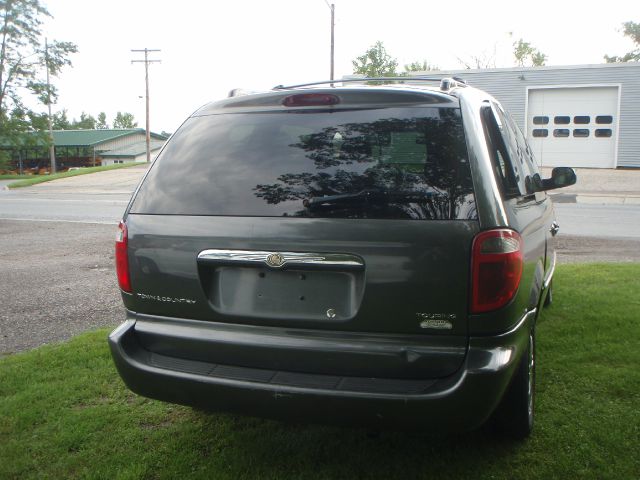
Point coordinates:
[(76, 208), (603, 221), (94, 198)]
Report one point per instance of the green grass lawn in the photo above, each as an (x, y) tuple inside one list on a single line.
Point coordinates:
[(64, 412), (28, 180)]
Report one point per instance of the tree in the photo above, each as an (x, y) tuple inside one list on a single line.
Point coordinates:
[(124, 120), (418, 66), (38, 122), (525, 53), (102, 124), (22, 120), (86, 122), (631, 30), (16, 120), (375, 62), (23, 56), (60, 121)]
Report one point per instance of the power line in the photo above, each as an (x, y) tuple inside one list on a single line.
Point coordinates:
[(146, 62)]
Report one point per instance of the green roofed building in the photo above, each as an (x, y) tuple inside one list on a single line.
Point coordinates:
[(82, 148)]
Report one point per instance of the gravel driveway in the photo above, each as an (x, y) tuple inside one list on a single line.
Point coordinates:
[(58, 279)]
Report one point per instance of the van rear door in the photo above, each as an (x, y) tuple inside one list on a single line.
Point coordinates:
[(353, 220)]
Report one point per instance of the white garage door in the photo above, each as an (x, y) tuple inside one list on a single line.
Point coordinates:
[(573, 127)]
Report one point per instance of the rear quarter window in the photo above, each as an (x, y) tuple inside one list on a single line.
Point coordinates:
[(391, 163)]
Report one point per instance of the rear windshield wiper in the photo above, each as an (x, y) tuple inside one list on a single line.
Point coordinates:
[(368, 196)]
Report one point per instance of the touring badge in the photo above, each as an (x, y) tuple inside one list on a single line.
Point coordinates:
[(437, 321)]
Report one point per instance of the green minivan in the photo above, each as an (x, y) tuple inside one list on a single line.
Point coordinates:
[(344, 253)]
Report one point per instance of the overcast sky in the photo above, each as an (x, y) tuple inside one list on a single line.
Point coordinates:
[(211, 47)]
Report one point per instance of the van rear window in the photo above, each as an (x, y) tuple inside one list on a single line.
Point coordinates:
[(388, 163)]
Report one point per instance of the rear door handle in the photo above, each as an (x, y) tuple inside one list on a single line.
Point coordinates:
[(555, 227)]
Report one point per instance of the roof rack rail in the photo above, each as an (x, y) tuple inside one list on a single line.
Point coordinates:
[(363, 79), (446, 84)]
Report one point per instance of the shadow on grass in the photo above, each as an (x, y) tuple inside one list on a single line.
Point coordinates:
[(269, 449)]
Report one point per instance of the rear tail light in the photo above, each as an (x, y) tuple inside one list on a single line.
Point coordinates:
[(496, 269), (122, 258), (310, 100)]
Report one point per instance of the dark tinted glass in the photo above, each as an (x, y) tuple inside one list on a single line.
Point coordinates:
[(540, 132), (561, 132), (405, 163), (522, 159), (581, 119), (603, 132), (562, 120), (540, 120), (581, 132), (604, 119)]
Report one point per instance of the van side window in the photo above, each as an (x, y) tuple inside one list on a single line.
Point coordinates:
[(529, 157), (521, 153), (500, 155)]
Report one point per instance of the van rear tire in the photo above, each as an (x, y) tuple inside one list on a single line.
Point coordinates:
[(514, 417)]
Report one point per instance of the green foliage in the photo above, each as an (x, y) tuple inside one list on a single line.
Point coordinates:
[(67, 414), (54, 56), (631, 30), (23, 57), (101, 124), (38, 122), (526, 55), (5, 158), (124, 120), (538, 59), (23, 61), (60, 121), (86, 122), (375, 62), (20, 30), (420, 66), (12, 127)]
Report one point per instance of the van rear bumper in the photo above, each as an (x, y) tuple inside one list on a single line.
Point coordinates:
[(458, 402)]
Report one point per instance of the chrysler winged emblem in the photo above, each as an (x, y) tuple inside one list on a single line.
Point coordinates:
[(275, 260)]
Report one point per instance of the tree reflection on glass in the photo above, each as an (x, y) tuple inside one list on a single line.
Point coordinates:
[(413, 168)]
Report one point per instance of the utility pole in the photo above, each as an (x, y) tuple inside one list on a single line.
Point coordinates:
[(332, 7), (52, 147), (146, 62)]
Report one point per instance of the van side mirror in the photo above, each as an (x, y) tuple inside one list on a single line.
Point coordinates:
[(560, 177)]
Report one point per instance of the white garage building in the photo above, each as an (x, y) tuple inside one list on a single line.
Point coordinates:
[(578, 116)]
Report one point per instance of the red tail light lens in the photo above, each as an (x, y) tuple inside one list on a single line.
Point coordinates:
[(496, 269), (310, 100), (122, 258)]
